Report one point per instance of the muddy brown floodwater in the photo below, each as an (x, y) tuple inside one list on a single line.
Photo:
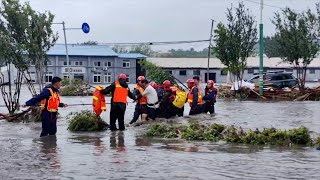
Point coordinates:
[(127, 155)]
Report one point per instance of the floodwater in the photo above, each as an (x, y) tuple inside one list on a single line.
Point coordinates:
[(127, 155)]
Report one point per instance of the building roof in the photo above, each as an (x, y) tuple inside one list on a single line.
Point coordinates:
[(131, 55), (82, 50), (215, 62)]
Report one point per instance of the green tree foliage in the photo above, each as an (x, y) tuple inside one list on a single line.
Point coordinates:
[(25, 37), (120, 49), (143, 49), (271, 47), (235, 41), (155, 73), (90, 43), (297, 35)]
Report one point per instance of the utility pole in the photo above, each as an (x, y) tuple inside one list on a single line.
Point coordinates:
[(261, 50), (65, 42), (209, 49)]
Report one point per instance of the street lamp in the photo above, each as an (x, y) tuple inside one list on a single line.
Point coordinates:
[(85, 28), (261, 51)]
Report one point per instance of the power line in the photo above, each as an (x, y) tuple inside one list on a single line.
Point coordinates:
[(157, 43), (269, 5)]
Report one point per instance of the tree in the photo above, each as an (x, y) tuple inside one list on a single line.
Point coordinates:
[(155, 73), (235, 41), (143, 49), (119, 49), (25, 37), (297, 35), (90, 43), (271, 47)]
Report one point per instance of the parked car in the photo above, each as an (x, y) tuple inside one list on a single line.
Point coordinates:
[(278, 79)]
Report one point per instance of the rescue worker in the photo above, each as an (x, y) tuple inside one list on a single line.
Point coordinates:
[(166, 107), (194, 98), (210, 97), (50, 102), (141, 105), (120, 91), (152, 99)]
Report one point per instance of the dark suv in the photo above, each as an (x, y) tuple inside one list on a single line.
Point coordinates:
[(278, 79)]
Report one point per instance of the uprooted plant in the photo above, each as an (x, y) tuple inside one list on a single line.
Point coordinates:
[(216, 132)]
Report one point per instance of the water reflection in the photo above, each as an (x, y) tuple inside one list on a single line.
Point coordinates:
[(117, 141), (50, 150), (93, 140)]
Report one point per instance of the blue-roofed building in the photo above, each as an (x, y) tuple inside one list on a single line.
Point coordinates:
[(92, 63)]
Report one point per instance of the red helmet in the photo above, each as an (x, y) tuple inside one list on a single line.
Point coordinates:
[(153, 84), (122, 76), (140, 78), (190, 81), (166, 83), (211, 82)]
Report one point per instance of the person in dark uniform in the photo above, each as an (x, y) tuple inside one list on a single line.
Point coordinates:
[(50, 102), (210, 97), (120, 91)]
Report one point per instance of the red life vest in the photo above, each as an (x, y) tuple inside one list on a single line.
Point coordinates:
[(98, 101), (120, 93), (52, 103), (190, 97)]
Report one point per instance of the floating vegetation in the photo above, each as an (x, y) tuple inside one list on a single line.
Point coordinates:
[(216, 132), (75, 87), (86, 121)]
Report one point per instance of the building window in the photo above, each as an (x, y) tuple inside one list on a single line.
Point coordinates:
[(128, 78), (289, 70), (223, 72), (107, 64), (78, 63), (312, 71), (126, 64), (97, 78), (107, 78), (48, 77), (65, 77), (196, 72), (49, 63), (250, 70), (97, 64), (182, 72), (170, 72), (65, 63)]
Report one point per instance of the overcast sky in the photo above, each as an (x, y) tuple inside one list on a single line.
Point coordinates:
[(151, 20)]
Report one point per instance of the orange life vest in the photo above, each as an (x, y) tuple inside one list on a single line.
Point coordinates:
[(190, 97), (143, 100), (52, 103), (120, 93), (98, 101)]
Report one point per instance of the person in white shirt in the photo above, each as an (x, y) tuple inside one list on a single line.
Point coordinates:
[(152, 99)]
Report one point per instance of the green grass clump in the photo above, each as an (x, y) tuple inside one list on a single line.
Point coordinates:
[(215, 132), (86, 121)]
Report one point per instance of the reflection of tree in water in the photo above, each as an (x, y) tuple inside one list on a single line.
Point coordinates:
[(114, 144), (50, 150)]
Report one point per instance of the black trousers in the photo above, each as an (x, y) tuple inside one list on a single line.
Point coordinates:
[(139, 109), (117, 113), (49, 123), (196, 110), (209, 107)]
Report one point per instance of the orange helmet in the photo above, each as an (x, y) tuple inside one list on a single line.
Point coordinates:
[(166, 83), (190, 81), (140, 78), (211, 82), (122, 76)]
